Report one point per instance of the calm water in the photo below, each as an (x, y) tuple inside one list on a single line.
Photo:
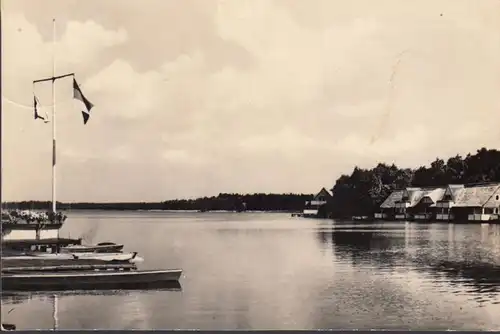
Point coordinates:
[(270, 271)]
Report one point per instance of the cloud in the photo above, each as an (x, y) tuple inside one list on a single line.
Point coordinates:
[(83, 41), (405, 141), (28, 54), (260, 95)]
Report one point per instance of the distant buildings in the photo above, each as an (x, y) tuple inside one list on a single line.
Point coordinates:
[(311, 207), (450, 203)]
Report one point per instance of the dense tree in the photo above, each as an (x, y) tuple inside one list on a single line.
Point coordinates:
[(364, 190)]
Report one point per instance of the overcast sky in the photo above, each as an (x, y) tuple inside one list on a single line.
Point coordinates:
[(194, 98)]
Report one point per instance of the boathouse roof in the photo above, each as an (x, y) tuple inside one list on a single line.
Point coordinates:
[(435, 195), (485, 195), (391, 200), (478, 196), (323, 193)]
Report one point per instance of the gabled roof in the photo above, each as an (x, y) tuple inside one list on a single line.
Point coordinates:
[(478, 196), (323, 192), (390, 201), (475, 196), (414, 195), (435, 195), (453, 190)]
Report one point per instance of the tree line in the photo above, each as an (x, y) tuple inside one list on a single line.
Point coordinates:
[(362, 192), (221, 202)]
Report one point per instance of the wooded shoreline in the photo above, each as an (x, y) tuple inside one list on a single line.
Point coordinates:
[(222, 202)]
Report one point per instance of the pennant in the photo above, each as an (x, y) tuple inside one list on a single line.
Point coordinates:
[(77, 94), (35, 107)]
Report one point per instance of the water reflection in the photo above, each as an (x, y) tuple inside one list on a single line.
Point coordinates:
[(103, 288), (95, 289), (127, 301), (19, 297), (465, 258)]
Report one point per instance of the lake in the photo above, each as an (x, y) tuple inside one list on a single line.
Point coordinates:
[(271, 271)]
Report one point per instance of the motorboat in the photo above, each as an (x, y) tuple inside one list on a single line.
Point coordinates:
[(103, 247)]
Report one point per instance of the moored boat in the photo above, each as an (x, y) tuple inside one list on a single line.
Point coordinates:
[(104, 247), (56, 280), (8, 327), (70, 256)]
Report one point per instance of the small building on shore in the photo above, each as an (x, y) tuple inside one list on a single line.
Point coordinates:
[(311, 207), (478, 202)]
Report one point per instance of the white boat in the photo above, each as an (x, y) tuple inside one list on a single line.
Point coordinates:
[(131, 257), (104, 247)]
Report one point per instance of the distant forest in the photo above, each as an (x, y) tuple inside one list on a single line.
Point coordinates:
[(226, 202), (362, 192)]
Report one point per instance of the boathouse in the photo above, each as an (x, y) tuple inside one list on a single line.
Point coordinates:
[(410, 198), (311, 207), (450, 203), (450, 197), (425, 204), (388, 207), (475, 203)]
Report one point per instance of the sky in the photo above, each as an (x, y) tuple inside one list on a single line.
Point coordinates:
[(197, 97)]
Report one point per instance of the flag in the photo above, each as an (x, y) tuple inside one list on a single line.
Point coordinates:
[(37, 115), (77, 94)]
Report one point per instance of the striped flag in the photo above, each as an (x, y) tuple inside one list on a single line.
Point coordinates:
[(77, 94)]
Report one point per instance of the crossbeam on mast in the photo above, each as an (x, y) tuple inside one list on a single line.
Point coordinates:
[(54, 78)]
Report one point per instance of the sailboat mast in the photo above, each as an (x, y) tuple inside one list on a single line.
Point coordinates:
[(53, 79), (54, 208)]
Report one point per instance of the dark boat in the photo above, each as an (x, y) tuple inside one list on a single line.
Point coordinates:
[(8, 327), (55, 280)]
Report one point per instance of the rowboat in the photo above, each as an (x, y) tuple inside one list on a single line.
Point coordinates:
[(71, 256), (59, 259), (8, 327), (103, 247), (70, 280)]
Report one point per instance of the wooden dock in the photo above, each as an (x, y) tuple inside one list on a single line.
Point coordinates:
[(23, 244)]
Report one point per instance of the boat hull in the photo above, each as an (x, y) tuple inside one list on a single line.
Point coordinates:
[(8, 327), (40, 262), (68, 259), (70, 280), (93, 249), (77, 256)]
